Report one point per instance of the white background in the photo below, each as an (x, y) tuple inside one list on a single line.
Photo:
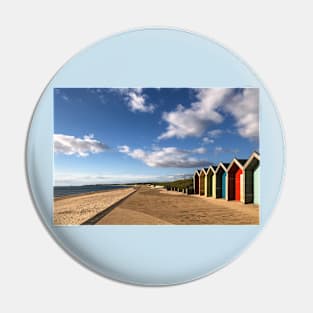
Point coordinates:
[(274, 37)]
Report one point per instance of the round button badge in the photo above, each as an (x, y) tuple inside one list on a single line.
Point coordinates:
[(155, 156)]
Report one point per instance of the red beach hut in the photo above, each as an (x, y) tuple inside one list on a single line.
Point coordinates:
[(235, 180)]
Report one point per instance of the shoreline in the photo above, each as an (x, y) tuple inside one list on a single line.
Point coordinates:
[(89, 192), (77, 209)]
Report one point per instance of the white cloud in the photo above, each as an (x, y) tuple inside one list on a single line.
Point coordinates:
[(214, 133), (245, 109), (200, 150), (207, 140), (193, 121), (210, 109), (137, 102), (78, 179), (136, 99), (167, 157), (71, 145), (219, 150), (123, 149)]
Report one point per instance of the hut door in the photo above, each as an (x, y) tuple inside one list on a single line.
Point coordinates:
[(238, 179), (241, 187), (256, 186), (224, 185)]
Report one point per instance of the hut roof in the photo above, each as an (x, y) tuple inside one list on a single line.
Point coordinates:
[(196, 172), (223, 165), (212, 168), (242, 161), (254, 155), (239, 162), (204, 170)]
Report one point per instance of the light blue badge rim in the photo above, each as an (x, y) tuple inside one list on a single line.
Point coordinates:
[(153, 255)]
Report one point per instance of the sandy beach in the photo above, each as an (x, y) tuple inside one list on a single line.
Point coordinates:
[(76, 209), (150, 206)]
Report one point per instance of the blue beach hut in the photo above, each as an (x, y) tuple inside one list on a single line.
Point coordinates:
[(221, 171)]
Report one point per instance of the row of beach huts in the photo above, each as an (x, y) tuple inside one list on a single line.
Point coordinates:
[(238, 180)]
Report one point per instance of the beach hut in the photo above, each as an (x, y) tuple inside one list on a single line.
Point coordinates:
[(210, 182), (202, 181), (196, 181), (220, 180), (235, 179), (203, 176), (252, 179)]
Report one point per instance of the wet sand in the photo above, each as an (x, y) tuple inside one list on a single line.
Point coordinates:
[(76, 209), (150, 206)]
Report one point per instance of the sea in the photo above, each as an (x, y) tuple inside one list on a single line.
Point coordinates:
[(60, 191)]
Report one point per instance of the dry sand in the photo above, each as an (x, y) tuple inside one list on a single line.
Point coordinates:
[(76, 209), (154, 206)]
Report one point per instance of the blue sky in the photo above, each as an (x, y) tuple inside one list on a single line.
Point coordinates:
[(104, 135)]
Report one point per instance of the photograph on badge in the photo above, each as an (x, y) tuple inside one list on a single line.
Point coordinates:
[(156, 156)]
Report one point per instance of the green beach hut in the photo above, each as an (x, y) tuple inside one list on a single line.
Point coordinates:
[(252, 179)]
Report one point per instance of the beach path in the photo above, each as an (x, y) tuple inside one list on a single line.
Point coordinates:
[(150, 206), (77, 209)]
